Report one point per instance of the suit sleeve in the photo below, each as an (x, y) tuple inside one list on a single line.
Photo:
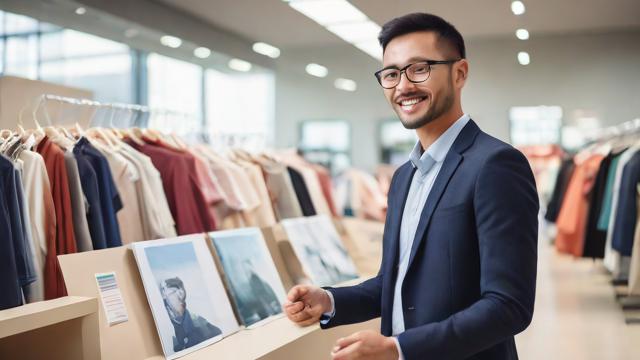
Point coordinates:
[(506, 210), (362, 302)]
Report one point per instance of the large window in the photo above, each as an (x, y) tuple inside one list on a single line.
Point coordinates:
[(396, 142), (85, 61), (175, 92), (240, 107), (42, 51), (326, 142), (535, 125)]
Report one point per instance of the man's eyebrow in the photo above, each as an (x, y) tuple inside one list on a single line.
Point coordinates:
[(410, 61)]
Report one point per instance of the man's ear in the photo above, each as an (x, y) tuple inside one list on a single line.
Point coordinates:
[(461, 72)]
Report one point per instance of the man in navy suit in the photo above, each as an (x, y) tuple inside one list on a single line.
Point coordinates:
[(458, 272)]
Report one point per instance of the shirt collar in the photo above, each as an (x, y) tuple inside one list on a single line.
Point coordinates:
[(439, 149)]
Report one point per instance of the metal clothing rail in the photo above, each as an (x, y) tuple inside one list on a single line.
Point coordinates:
[(625, 128)]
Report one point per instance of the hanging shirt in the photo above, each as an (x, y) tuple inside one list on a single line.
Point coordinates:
[(41, 213), (110, 201), (185, 198), (78, 204), (65, 241), (625, 221), (154, 209), (302, 193), (11, 294)]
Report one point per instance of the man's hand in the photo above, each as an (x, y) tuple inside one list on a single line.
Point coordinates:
[(366, 344), (306, 304)]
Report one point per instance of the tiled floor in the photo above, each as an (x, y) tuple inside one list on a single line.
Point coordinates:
[(576, 315)]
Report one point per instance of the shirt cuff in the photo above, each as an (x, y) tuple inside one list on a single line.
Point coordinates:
[(395, 339), (326, 317)]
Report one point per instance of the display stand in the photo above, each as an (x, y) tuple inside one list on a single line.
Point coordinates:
[(137, 338), (64, 328)]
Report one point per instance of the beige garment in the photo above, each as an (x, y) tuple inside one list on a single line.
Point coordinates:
[(313, 185), (78, 203), (281, 191), (634, 272), (125, 176), (263, 215), (368, 197), (41, 212), (157, 221)]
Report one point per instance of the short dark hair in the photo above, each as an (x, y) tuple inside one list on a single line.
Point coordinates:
[(415, 22)]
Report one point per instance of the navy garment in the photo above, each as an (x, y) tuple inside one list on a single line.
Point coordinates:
[(89, 182), (559, 190), (302, 193), (470, 285), (109, 199), (11, 294), (625, 221), (595, 239)]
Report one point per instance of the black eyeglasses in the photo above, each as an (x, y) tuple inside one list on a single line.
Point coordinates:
[(416, 73)]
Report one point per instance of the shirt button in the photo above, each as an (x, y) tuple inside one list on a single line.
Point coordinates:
[(411, 308)]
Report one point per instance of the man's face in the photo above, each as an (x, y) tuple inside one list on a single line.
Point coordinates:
[(418, 104)]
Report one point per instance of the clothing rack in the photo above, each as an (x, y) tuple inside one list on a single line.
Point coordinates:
[(625, 128)]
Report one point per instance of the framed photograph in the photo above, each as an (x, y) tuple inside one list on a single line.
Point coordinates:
[(251, 276), (320, 250), (186, 295)]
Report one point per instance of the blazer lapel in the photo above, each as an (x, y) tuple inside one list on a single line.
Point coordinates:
[(404, 183), (451, 162)]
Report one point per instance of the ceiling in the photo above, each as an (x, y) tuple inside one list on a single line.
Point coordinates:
[(273, 21)]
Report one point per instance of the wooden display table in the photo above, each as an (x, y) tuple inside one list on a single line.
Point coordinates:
[(65, 328)]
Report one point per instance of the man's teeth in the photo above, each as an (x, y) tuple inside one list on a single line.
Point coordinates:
[(411, 101)]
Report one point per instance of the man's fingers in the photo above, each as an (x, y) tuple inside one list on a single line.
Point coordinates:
[(308, 322), (297, 292), (300, 316), (294, 308), (346, 353), (346, 341)]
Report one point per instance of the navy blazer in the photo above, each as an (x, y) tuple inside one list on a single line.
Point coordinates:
[(470, 285)]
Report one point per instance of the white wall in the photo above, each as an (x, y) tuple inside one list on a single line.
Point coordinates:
[(599, 73)]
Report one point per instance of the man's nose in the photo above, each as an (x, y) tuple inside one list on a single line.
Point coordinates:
[(404, 84)]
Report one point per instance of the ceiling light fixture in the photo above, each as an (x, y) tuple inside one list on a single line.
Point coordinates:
[(523, 58), (202, 52), (345, 84), (266, 50), (81, 11), (317, 70), (239, 65), (329, 12), (355, 32), (171, 41), (522, 34), (517, 7)]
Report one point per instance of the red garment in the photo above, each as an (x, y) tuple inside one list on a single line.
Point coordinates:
[(572, 219), (65, 241), (187, 201), (326, 185)]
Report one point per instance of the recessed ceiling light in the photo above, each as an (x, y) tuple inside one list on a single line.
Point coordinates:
[(266, 50), (239, 65), (523, 58), (317, 70), (522, 34), (517, 7), (202, 52), (81, 11), (171, 41), (329, 12), (129, 33), (345, 84)]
